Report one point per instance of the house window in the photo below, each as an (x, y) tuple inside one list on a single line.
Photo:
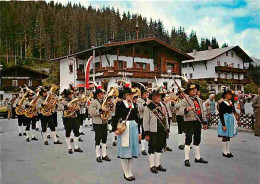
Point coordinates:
[(97, 64), (170, 66), (239, 88), (144, 66), (218, 63), (121, 64), (14, 83), (226, 53), (225, 75), (186, 75), (238, 65), (225, 64), (232, 54), (29, 83), (190, 64), (232, 75), (70, 68), (81, 67), (184, 65), (219, 87), (232, 65), (238, 76), (1, 96), (219, 75), (190, 75)]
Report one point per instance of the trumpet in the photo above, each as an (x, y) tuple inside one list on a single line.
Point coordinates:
[(74, 104), (32, 111)]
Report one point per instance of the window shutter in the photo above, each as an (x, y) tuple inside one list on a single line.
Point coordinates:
[(148, 67), (125, 64)]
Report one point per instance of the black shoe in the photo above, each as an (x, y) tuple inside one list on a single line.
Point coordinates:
[(78, 150), (144, 152), (24, 134), (154, 170), (20, 134), (46, 143), (114, 143), (92, 129), (57, 142), (81, 133), (230, 155), (37, 129), (48, 136), (187, 163), (80, 140), (201, 160), (181, 147), (57, 136), (99, 159), (132, 177), (168, 149), (90, 125), (116, 138), (86, 125), (106, 158), (28, 139), (160, 168), (35, 139), (110, 131), (128, 179), (71, 140), (70, 151)]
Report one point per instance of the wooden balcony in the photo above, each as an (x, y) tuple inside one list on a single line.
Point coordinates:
[(230, 69), (221, 80)]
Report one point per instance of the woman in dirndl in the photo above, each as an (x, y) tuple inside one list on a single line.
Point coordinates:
[(227, 125), (127, 142)]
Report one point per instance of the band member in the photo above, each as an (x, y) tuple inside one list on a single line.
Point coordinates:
[(81, 114), (21, 118), (127, 141), (142, 103), (30, 121), (55, 114), (193, 113), (100, 125), (47, 119), (156, 129), (70, 109), (180, 121), (227, 126), (14, 106)]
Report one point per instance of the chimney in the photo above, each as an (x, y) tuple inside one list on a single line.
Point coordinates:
[(209, 47), (194, 51)]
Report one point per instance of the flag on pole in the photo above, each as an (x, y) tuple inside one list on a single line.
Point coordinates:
[(87, 72)]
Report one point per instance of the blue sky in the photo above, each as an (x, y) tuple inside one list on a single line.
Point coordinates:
[(236, 22)]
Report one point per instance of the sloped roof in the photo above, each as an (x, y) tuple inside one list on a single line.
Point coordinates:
[(107, 45), (256, 61), (213, 53), (21, 68)]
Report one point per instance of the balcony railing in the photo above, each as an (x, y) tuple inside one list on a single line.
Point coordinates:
[(230, 69)]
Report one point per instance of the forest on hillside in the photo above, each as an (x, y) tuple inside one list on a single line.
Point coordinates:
[(41, 30)]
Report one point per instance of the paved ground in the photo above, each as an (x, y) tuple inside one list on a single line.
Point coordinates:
[(34, 163)]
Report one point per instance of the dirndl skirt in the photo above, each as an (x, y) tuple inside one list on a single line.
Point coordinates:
[(132, 150), (231, 125)]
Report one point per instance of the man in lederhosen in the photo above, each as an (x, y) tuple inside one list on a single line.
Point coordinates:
[(141, 104), (156, 130), (100, 126), (180, 121), (47, 120), (193, 113), (21, 118)]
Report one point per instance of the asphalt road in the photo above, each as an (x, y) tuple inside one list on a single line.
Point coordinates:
[(34, 163)]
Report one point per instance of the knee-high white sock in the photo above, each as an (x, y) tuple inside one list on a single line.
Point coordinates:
[(97, 151), (180, 139), (24, 128), (104, 150), (151, 160), (37, 124), (224, 144), (68, 142), (130, 166), (80, 129), (113, 136), (124, 163), (28, 134), (228, 144), (197, 152), (143, 145), (158, 157), (44, 135), (187, 152), (19, 129), (33, 135), (109, 127), (53, 135), (76, 142)]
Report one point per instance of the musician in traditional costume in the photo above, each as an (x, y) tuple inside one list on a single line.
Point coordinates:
[(70, 109), (227, 125), (141, 104), (100, 125), (126, 127), (156, 129), (21, 118), (81, 114), (47, 119), (180, 121), (30, 121), (192, 110)]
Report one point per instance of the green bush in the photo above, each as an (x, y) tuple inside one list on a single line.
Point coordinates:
[(251, 88)]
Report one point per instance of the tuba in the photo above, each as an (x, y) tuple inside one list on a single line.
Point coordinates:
[(137, 91), (19, 109), (74, 104), (51, 100), (113, 92), (32, 111)]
